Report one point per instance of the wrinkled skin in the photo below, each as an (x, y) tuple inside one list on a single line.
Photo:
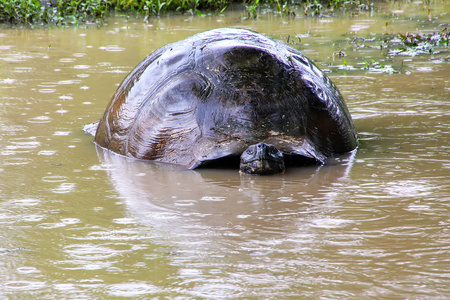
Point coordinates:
[(262, 159), (216, 93)]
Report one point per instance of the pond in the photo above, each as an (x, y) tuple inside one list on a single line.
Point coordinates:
[(80, 223)]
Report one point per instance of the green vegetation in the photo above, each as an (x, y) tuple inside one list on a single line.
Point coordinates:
[(415, 44), (159, 7), (391, 46), (306, 7), (30, 12), (407, 44), (59, 12), (252, 9)]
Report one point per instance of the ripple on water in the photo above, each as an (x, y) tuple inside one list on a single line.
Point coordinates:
[(413, 207), (102, 167), (64, 188), (61, 133), (124, 221), (8, 81), (185, 202), (27, 270), (22, 285), (132, 289), (69, 81), (213, 198), (47, 91), (65, 287), (23, 143), (16, 57), (5, 47), (113, 235), (329, 223), (67, 60), (51, 225), (33, 218), (7, 218), (70, 221), (65, 97), (112, 48), (26, 202), (54, 178), (105, 64), (16, 161), (47, 85), (117, 70), (82, 67), (90, 252), (40, 119), (409, 188), (61, 111), (47, 152), (13, 129), (8, 152)]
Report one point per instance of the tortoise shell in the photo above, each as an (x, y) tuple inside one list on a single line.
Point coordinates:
[(212, 95)]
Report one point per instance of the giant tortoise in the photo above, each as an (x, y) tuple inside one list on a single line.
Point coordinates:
[(227, 96)]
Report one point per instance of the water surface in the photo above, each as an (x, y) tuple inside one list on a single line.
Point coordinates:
[(80, 223)]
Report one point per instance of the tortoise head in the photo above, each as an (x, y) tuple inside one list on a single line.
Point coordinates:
[(262, 159)]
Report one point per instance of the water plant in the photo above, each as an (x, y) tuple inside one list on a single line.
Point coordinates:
[(312, 8), (408, 44), (377, 67), (156, 7), (415, 44), (285, 8), (391, 45), (251, 9)]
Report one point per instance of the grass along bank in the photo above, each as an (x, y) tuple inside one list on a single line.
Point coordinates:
[(74, 12)]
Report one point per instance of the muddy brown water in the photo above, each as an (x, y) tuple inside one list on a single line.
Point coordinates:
[(79, 223)]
